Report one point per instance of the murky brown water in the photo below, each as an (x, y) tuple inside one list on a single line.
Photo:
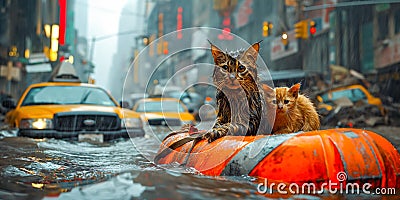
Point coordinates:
[(59, 169)]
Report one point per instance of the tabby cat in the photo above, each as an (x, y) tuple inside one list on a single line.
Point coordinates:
[(294, 111), (240, 97)]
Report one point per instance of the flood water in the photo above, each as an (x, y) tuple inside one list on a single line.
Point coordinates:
[(60, 169), (48, 168)]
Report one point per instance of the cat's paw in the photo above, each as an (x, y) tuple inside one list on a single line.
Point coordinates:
[(214, 134), (188, 128)]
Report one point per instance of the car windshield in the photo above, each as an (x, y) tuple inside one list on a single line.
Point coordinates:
[(353, 94), (186, 97), (67, 95), (160, 106)]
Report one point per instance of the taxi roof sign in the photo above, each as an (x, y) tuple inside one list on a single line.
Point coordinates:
[(64, 72)]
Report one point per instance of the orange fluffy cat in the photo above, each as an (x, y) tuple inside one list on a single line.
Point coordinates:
[(294, 111)]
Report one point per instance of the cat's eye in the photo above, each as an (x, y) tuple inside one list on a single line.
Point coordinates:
[(274, 101), (225, 67), (241, 68), (286, 101)]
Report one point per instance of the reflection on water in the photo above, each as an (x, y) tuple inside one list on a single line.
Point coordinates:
[(33, 168), (48, 168)]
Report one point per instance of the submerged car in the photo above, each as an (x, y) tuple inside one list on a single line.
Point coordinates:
[(192, 100), (355, 93), (66, 108), (163, 112), (350, 101)]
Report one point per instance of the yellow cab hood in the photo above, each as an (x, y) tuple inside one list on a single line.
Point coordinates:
[(168, 115), (47, 111)]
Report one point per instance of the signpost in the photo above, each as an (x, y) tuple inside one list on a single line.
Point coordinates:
[(10, 73)]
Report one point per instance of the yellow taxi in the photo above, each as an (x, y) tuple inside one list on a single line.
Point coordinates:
[(163, 112), (67, 108), (355, 93)]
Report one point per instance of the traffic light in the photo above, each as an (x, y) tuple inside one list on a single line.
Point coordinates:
[(301, 29), (13, 52), (267, 28), (165, 47), (313, 29), (284, 39), (160, 24), (146, 41)]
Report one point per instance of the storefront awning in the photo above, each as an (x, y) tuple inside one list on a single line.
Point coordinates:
[(42, 67)]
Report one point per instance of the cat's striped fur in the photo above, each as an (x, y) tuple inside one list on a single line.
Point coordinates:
[(240, 97)]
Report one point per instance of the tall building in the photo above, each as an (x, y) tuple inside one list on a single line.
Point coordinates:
[(131, 29), (164, 22), (33, 37), (82, 64), (302, 40)]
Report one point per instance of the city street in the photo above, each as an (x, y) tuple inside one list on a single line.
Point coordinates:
[(200, 99)]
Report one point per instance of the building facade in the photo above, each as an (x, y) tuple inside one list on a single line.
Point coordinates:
[(340, 37), (34, 36)]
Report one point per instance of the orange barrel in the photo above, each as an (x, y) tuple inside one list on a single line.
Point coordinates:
[(305, 157)]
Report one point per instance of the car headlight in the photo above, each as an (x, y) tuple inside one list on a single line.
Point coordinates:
[(131, 123), (39, 123)]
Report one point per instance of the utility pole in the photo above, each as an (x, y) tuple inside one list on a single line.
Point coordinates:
[(300, 16), (9, 76), (92, 49), (91, 59), (299, 10)]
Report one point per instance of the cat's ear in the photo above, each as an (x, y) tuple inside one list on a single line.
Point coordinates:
[(252, 51), (268, 91), (267, 88), (216, 53), (294, 90)]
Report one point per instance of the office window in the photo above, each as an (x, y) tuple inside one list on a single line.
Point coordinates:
[(397, 21), (383, 25)]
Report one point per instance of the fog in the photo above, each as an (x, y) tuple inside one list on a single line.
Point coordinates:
[(106, 20)]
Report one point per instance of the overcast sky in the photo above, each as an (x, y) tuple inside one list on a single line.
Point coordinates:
[(103, 20)]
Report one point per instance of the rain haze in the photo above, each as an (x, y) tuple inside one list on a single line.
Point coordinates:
[(114, 25)]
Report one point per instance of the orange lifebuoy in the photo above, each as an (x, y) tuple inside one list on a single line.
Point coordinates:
[(303, 157)]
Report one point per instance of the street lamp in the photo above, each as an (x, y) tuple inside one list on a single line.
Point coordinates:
[(284, 39)]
